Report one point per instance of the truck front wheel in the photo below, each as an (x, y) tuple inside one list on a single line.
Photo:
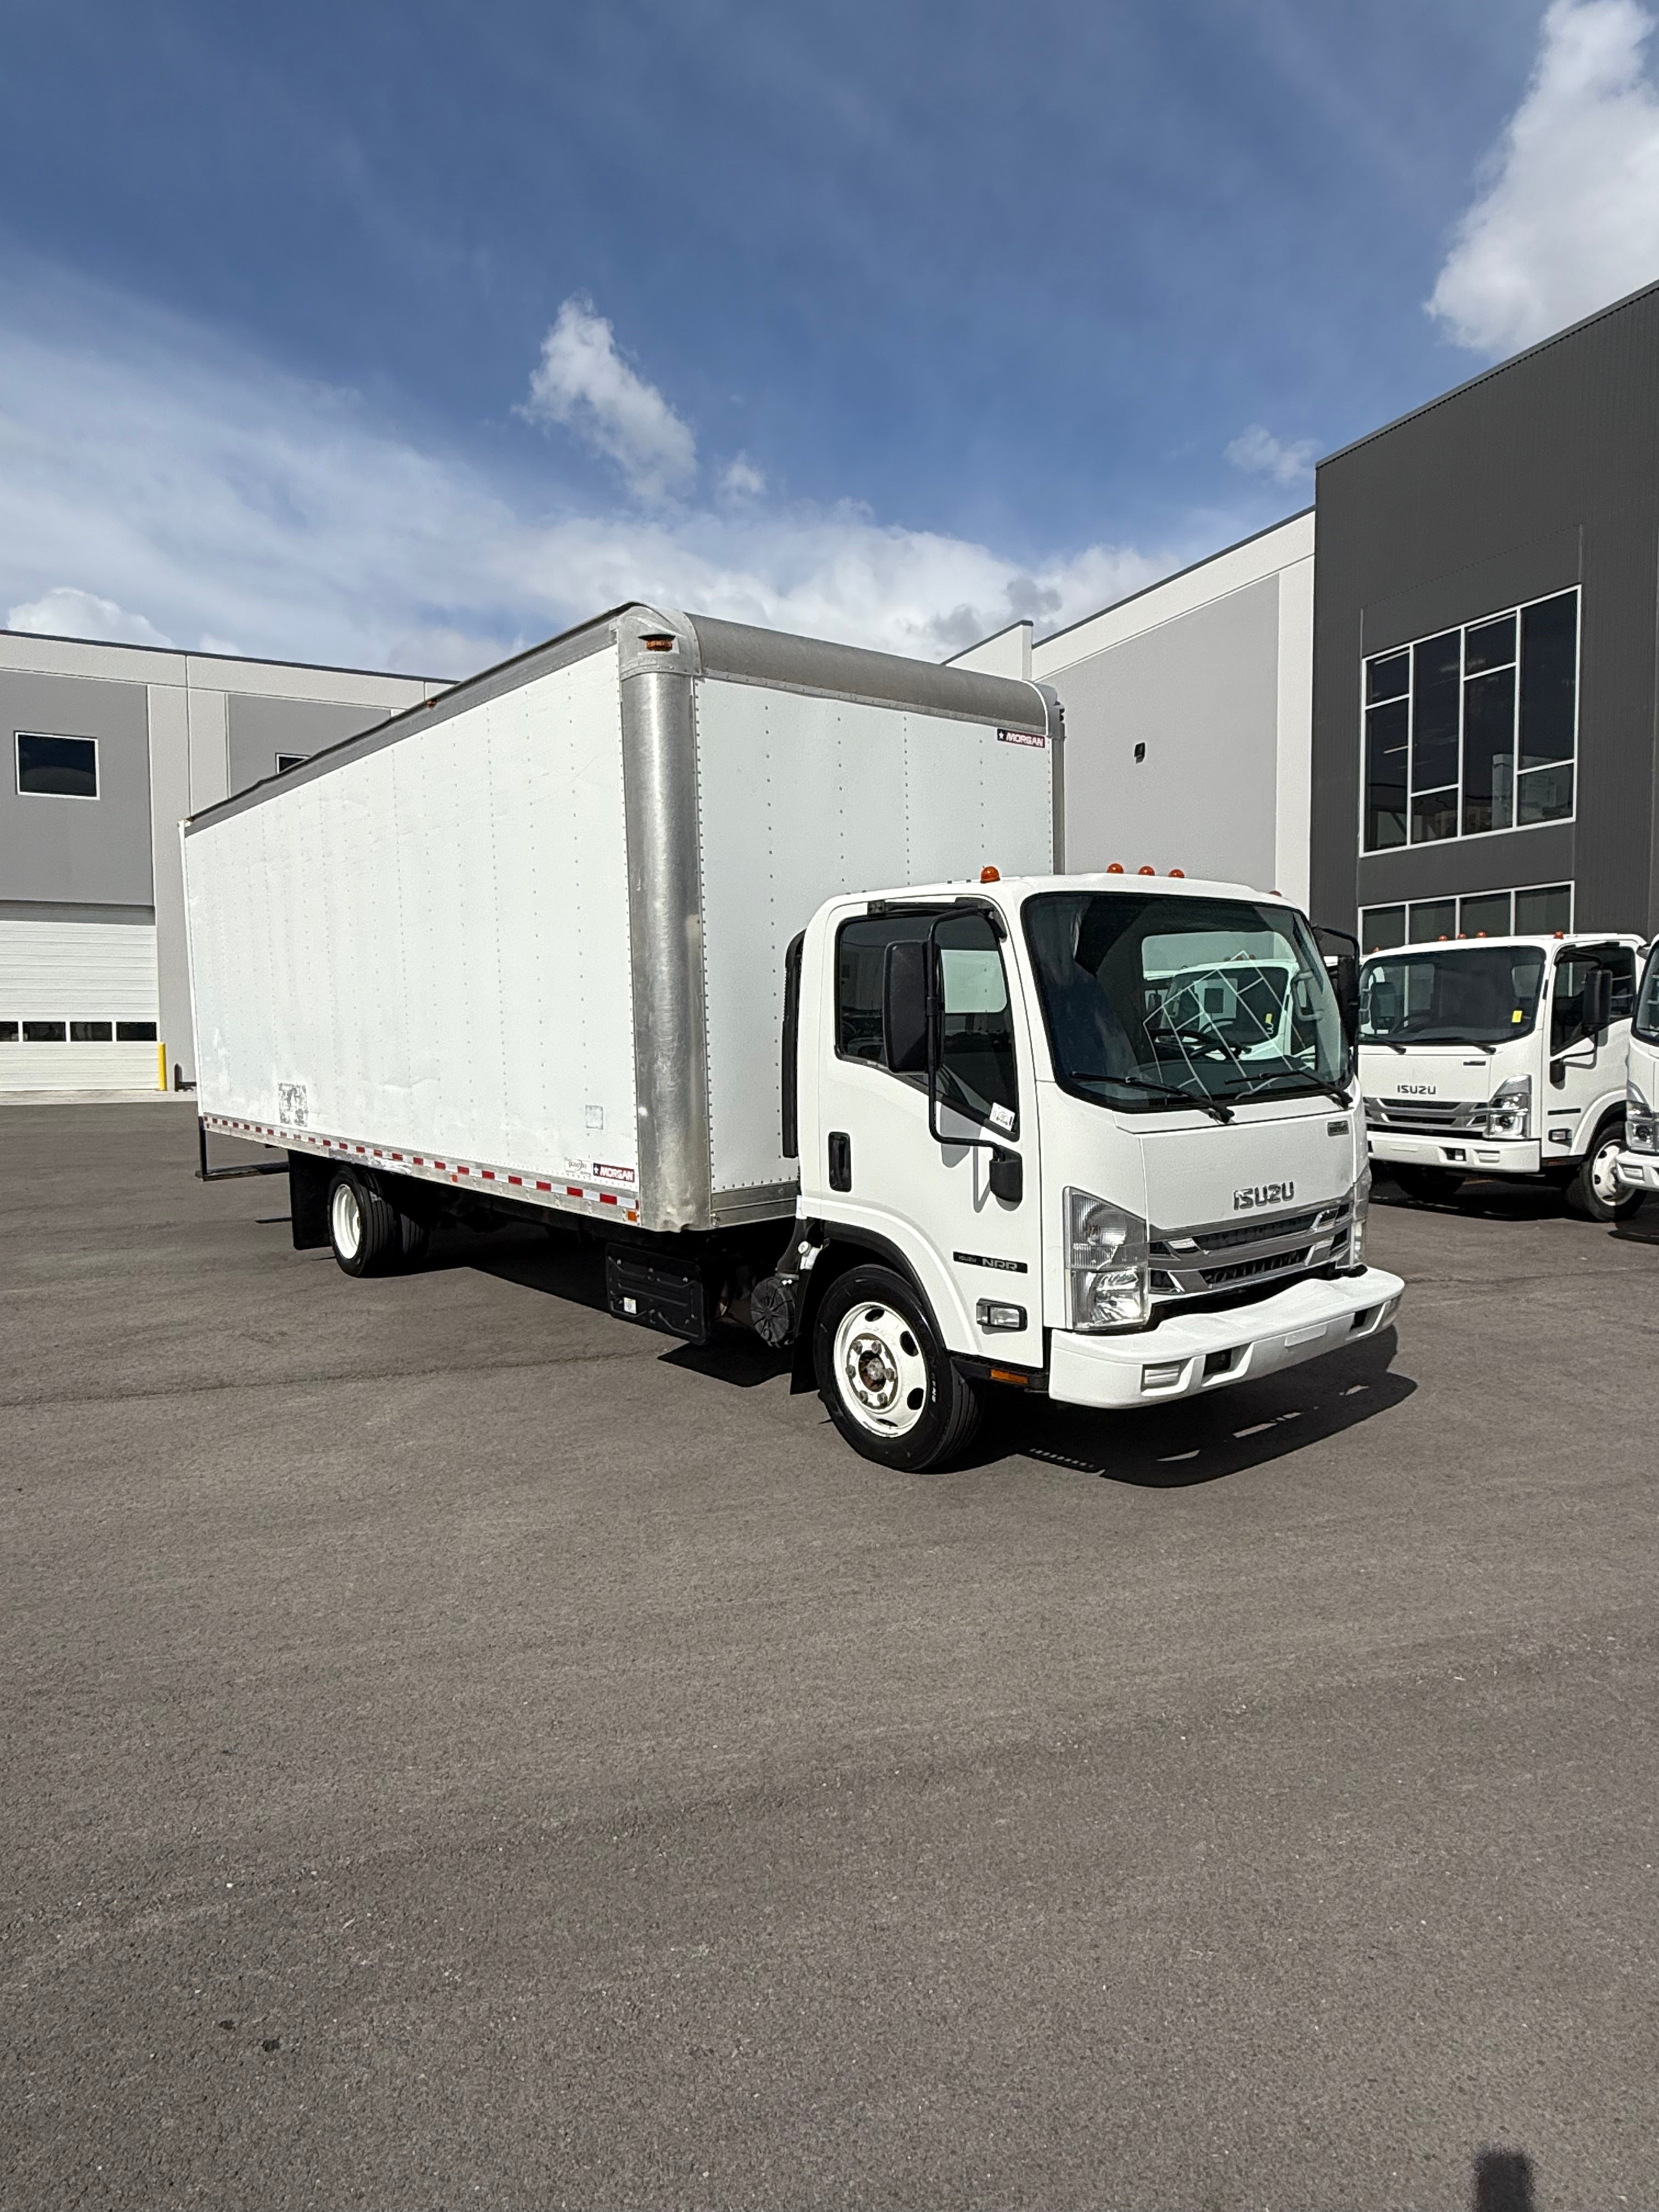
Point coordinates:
[(1595, 1193), (891, 1387)]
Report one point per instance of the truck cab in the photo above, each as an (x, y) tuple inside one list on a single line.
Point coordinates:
[(1097, 1136), (1500, 1056), (1638, 1159)]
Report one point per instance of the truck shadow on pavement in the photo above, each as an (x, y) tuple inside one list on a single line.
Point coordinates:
[(1204, 1438)]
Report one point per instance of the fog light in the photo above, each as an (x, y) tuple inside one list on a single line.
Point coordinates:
[(992, 1314), (1167, 1373)]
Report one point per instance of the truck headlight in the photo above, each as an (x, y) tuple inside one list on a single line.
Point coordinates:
[(1509, 1114), (1641, 1127), (1106, 1265)]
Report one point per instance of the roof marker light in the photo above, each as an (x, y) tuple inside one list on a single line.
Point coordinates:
[(658, 641), (1146, 872), (1114, 867), (990, 876), (1179, 873)]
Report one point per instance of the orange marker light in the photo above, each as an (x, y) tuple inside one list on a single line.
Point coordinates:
[(989, 876), (1114, 867), (1146, 871), (1179, 872)]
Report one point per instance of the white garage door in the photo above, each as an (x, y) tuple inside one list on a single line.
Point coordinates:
[(78, 1006)]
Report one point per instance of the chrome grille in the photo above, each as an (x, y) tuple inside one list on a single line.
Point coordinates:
[(1188, 1263), (1434, 1115)]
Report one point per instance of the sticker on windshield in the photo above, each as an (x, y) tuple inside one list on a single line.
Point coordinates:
[(1001, 1118)]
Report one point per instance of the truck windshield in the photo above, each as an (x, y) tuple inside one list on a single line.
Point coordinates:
[(1646, 1024), (1451, 994), (1144, 995)]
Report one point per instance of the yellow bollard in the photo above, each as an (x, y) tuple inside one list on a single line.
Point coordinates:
[(161, 1065)]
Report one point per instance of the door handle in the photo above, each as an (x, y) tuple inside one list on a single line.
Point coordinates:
[(841, 1160)]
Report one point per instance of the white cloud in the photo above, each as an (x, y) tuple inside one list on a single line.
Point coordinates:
[(1567, 218), (67, 611), (227, 500), (583, 382), (743, 480), (1282, 461)]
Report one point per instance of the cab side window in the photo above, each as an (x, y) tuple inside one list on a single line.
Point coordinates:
[(1567, 1001), (976, 1070), (1621, 964)]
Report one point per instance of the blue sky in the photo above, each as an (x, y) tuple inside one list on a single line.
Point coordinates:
[(893, 322)]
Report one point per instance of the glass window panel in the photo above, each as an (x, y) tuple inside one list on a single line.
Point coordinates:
[(1620, 964), (1489, 645), (8, 1032), (135, 1032), (1546, 795), (976, 1028), (1542, 910), (1437, 672), (1572, 972), (1434, 814), (1488, 752), (91, 1032), (1389, 678), (1382, 927), (58, 768), (1385, 775), (860, 967), (1431, 919), (46, 1033), (1549, 651), (1485, 916)]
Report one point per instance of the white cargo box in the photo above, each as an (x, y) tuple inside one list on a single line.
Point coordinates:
[(531, 936)]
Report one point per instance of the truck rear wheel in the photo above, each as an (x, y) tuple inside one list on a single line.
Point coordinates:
[(891, 1387), (362, 1227), (1595, 1193), (1428, 1186)]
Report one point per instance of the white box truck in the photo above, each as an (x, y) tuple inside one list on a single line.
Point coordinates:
[(600, 939), (1501, 1056), (1638, 1160)]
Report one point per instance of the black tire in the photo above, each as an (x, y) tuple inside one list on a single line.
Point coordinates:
[(1427, 1186), (414, 1241), (1594, 1192), (362, 1227), (873, 1324)]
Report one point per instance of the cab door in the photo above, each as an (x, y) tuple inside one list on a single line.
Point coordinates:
[(1586, 1068), (926, 1192)]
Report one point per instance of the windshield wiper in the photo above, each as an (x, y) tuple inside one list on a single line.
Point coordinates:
[(1337, 1090), (1213, 1107)]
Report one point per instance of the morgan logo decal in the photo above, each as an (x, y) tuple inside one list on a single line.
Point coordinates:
[(603, 1174), (1263, 1194), (1023, 737)]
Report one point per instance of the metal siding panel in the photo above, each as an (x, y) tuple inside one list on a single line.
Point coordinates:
[(801, 799), (1485, 487), (96, 851)]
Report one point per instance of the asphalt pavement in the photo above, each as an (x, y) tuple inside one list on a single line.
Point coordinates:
[(459, 1749)]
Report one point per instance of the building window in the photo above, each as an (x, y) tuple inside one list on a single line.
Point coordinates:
[(91, 1032), (1474, 730), (135, 1032), (286, 760), (1539, 910), (46, 1032), (72, 1032), (56, 767)]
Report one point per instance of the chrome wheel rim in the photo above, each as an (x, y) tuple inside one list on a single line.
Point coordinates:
[(881, 1376), (346, 1221)]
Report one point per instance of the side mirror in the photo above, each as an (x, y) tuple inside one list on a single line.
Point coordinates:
[(1598, 1000), (1006, 1176), (904, 1007), (1345, 981)]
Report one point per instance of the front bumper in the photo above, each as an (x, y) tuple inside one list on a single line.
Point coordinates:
[(1638, 1170), (1472, 1154), (1189, 1353)]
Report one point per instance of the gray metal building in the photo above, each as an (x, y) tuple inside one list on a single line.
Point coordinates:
[(108, 748), (1484, 646)]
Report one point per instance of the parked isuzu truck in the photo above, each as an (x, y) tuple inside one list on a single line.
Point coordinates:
[(1639, 1162), (1500, 1056), (748, 956)]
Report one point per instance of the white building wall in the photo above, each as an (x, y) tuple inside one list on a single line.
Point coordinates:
[(1212, 672)]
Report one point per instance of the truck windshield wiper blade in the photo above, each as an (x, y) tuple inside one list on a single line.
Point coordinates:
[(1214, 1107), (1337, 1090)]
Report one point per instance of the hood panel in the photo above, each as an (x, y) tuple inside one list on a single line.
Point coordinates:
[(1442, 1075), (1194, 1176)]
